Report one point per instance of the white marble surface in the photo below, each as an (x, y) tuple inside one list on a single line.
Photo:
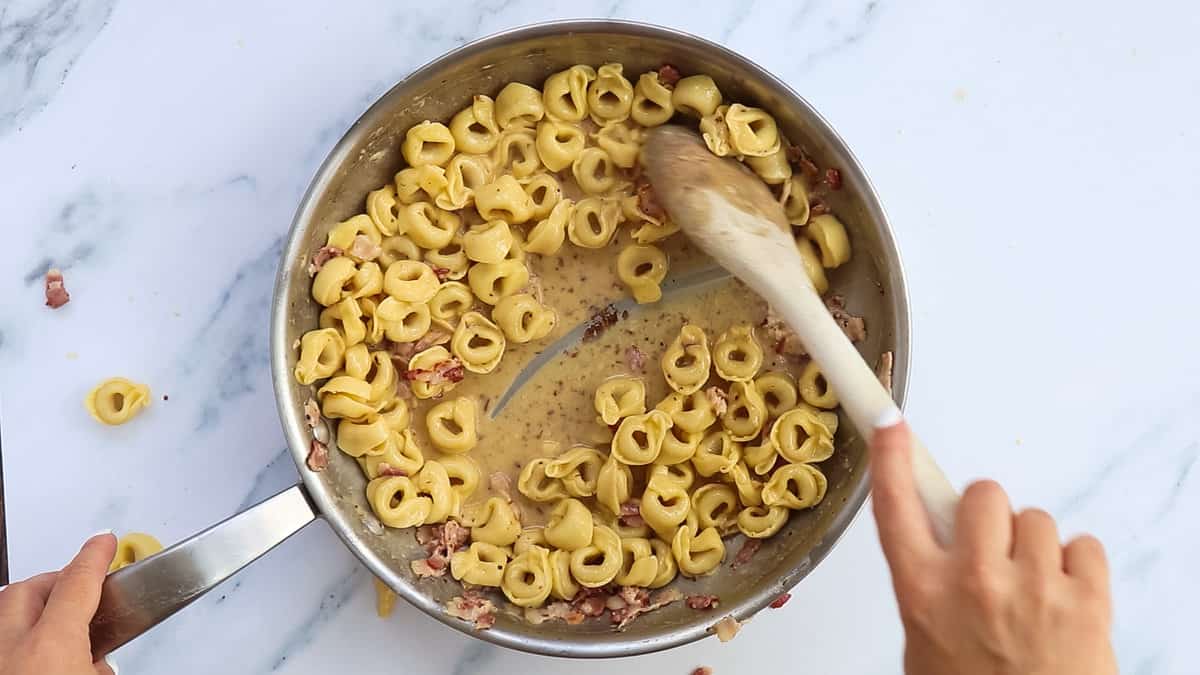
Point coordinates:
[(1038, 161)]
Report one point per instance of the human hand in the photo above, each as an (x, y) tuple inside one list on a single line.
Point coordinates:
[(1005, 597), (44, 619)]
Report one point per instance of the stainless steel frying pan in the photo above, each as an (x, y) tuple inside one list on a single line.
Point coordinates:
[(141, 595)]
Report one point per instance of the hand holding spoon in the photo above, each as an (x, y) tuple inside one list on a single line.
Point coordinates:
[(729, 212)]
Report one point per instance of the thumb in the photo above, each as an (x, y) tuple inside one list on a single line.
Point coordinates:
[(76, 595), (904, 530)]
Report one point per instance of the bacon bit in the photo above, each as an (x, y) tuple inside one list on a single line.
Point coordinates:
[(473, 607), (426, 534), (593, 606), (629, 602), (555, 611), (322, 256), (385, 469), (817, 207), (312, 413), (833, 178), (364, 249), (449, 370), (56, 293), (669, 75), (727, 628), (780, 601), (656, 601), (440, 542), (702, 670), (786, 342), (501, 484), (635, 521), (809, 169), (703, 601), (853, 326), (648, 202), (442, 273), (599, 322), (883, 370), (793, 153), (746, 552), (635, 358), (318, 456), (403, 391), (631, 508), (717, 399), (433, 337)]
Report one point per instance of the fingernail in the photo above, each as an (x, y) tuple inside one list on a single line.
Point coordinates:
[(101, 533), (889, 418), (112, 665)]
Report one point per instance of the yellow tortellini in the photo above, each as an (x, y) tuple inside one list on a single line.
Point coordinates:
[(773, 169), (428, 361), (752, 131), (621, 141), (610, 95), (343, 234), (547, 236), (528, 578), (642, 269), (812, 264), (697, 554), (346, 318), (481, 564), (717, 453), (518, 105), (401, 456), (594, 222), (544, 194), (562, 585), (369, 437), (451, 425), (594, 171), (570, 525), (665, 505), (503, 199), (428, 143), (516, 152), (578, 469), (614, 485), (795, 200), (691, 412), (403, 321), (464, 175), (418, 184), (814, 389), (452, 300), (463, 474), (651, 101), (536, 485), (494, 522), (564, 94), (679, 445), (639, 438), (749, 489), (696, 95), (478, 343), (524, 319), (382, 209), (434, 481), (804, 434), (760, 522), (795, 486), (619, 397), (778, 392), (321, 354), (491, 283), (686, 361), (474, 128), (745, 412), (829, 235), (396, 248), (716, 506), (639, 564), (736, 355), (334, 280), (558, 143), (428, 226), (598, 563), (132, 548), (715, 132), (396, 501), (410, 281), (116, 400)]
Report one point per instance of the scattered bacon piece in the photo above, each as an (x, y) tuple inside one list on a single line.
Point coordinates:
[(817, 207), (404, 392), (702, 670), (629, 602), (318, 456), (425, 568), (385, 469), (883, 370), (853, 326), (592, 606), (501, 484), (717, 399), (809, 169), (442, 273), (56, 293), (780, 601), (648, 202), (449, 370), (440, 541), (634, 521), (312, 413), (669, 75), (631, 508), (727, 628), (426, 534), (746, 552), (555, 611), (433, 337), (660, 599), (322, 256), (364, 249), (793, 153), (703, 601), (474, 607), (599, 322), (635, 358), (833, 178), (784, 339)]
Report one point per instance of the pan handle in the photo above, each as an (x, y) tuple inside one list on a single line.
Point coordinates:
[(136, 598)]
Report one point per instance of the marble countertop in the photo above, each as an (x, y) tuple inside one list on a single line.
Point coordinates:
[(1038, 161)]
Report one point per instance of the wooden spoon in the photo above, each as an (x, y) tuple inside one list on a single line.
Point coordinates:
[(729, 212)]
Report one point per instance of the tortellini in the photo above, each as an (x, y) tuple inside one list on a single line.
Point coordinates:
[(518, 105), (691, 412), (639, 564), (651, 101), (696, 95), (536, 485), (578, 470), (452, 300), (599, 562), (570, 525), (814, 389), (795, 486), (642, 269), (594, 171), (528, 578), (564, 94), (614, 485), (494, 523), (132, 548), (639, 438), (321, 354), (717, 453), (558, 144), (428, 143), (829, 235), (491, 283), (778, 392), (619, 397), (752, 132), (464, 175), (697, 554), (736, 355), (428, 361), (116, 400), (804, 434), (478, 343), (451, 425), (610, 95), (811, 261), (516, 152), (745, 412), (474, 128), (481, 564), (546, 237), (594, 222), (523, 319), (686, 361), (760, 522), (665, 505), (397, 502), (716, 506)]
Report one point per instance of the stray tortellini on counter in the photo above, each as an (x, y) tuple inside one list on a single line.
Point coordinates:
[(463, 260), (116, 400), (133, 547)]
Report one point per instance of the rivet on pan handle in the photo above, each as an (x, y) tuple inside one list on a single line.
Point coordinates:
[(136, 598)]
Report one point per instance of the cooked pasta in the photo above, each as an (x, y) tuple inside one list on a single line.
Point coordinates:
[(494, 522), (760, 522), (664, 506), (418, 184), (619, 397), (814, 389), (321, 354), (795, 486), (536, 485), (621, 141), (828, 233), (132, 548), (697, 554), (639, 438), (639, 565), (492, 283), (527, 578), (736, 355), (523, 319), (116, 400), (558, 143), (642, 269), (745, 412), (428, 143), (594, 222), (696, 95), (564, 94), (651, 101), (544, 194), (804, 434), (594, 171), (610, 95), (717, 453), (403, 321), (464, 174), (716, 506), (691, 412), (451, 425), (478, 343), (614, 485), (428, 361), (428, 226), (546, 237), (686, 361), (451, 301), (599, 562), (474, 128), (812, 264), (570, 525), (518, 105), (481, 564), (778, 392), (578, 469), (715, 132), (752, 132), (516, 152)]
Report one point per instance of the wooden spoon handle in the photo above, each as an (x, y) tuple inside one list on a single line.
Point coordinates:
[(858, 389)]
